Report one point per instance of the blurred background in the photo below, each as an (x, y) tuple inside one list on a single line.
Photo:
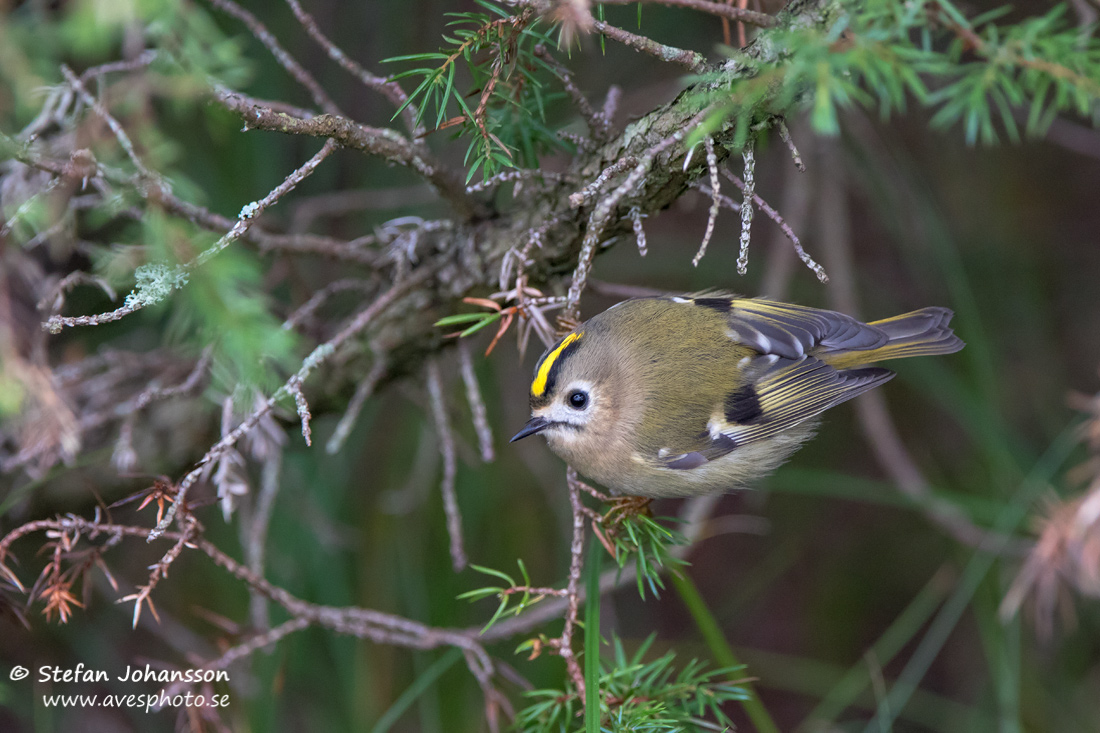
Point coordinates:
[(829, 582)]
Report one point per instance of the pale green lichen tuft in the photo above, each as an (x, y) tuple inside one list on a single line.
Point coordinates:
[(154, 283)]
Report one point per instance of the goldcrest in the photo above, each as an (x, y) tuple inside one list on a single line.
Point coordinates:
[(680, 396)]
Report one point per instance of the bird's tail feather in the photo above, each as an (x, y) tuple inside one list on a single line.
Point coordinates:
[(920, 333)]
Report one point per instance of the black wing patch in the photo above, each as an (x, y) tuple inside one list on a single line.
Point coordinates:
[(722, 305), (743, 406)]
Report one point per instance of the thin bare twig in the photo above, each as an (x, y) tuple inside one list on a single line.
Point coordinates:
[(141, 61), (27, 207), (255, 545), (611, 103), (243, 650), (1087, 12), (220, 92), (391, 90), (783, 225), (447, 449), (355, 405), (714, 8), (636, 217), (54, 301), (124, 456), (786, 135), (598, 124), (572, 588), (582, 143), (589, 192), (746, 207), (715, 204), (780, 259), (302, 406), (154, 392), (198, 215), (380, 141), (288, 62), (191, 530), (307, 309), (120, 134), (518, 174), (692, 60), (340, 203), (477, 404)]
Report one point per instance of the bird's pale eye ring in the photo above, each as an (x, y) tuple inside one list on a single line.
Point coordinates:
[(578, 399)]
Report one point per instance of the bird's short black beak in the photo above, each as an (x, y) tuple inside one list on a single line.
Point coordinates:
[(534, 425)]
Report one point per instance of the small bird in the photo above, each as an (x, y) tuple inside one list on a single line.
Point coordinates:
[(681, 396)]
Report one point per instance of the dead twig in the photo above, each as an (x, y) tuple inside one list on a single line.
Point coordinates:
[(450, 466), (728, 12), (288, 62), (691, 60), (715, 203), (477, 404)]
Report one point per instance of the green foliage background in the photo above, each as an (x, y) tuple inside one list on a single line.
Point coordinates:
[(1006, 236)]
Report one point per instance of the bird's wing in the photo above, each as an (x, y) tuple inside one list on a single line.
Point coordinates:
[(790, 392), (782, 385), (785, 393)]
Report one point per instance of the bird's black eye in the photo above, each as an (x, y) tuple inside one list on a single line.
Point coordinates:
[(578, 399)]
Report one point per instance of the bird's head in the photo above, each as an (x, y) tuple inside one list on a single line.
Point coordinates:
[(573, 400)]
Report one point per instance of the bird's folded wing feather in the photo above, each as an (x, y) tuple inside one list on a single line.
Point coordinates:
[(787, 393), (791, 392), (790, 331), (784, 385)]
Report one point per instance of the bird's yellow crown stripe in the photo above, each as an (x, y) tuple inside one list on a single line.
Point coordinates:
[(539, 385)]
